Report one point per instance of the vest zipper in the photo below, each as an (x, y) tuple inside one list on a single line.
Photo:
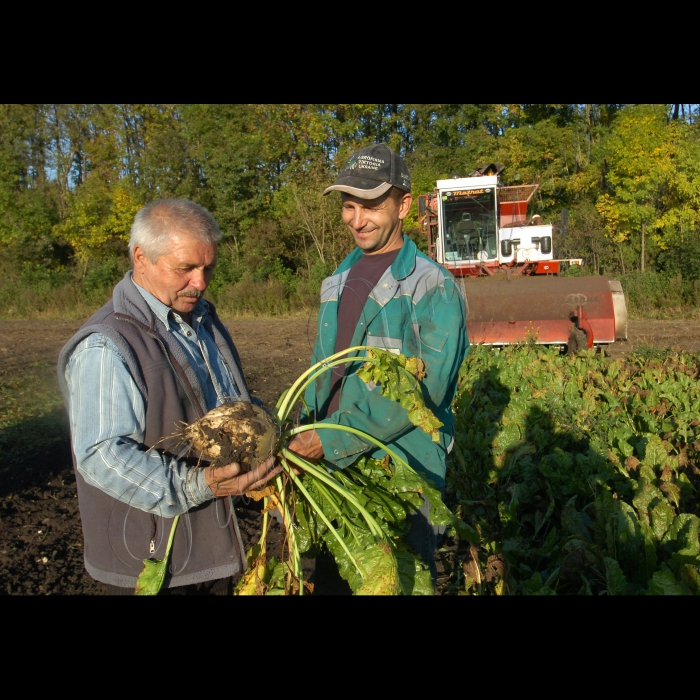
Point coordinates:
[(152, 544)]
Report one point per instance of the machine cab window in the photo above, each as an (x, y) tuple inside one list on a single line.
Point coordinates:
[(469, 225)]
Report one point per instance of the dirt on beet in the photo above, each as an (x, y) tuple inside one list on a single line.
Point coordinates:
[(40, 532), (237, 431)]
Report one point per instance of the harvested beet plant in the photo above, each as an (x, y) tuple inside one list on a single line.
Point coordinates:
[(359, 513)]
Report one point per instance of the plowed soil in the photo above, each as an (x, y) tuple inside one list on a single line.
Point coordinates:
[(40, 530)]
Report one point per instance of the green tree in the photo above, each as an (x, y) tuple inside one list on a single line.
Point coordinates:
[(28, 203), (652, 177), (99, 219)]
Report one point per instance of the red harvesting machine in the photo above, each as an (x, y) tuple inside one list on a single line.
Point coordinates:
[(479, 230)]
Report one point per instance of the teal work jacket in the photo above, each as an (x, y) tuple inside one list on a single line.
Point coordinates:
[(416, 308)]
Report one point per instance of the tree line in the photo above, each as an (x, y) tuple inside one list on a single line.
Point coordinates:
[(72, 177)]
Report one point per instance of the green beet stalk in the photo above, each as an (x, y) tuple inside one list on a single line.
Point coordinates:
[(263, 536), (293, 545), (318, 474), (286, 404), (312, 378), (171, 537), (348, 429), (320, 513)]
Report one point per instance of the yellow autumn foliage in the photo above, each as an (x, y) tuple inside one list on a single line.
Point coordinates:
[(98, 213)]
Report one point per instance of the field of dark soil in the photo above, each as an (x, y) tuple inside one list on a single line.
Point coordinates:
[(40, 531)]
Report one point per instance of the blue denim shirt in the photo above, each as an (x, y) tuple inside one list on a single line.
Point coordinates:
[(108, 417)]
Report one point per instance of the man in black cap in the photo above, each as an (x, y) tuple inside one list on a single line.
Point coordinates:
[(386, 294)]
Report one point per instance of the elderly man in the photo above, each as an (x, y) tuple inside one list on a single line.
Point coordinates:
[(154, 356), (386, 294)]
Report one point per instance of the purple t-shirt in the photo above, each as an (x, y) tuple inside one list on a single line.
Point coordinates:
[(362, 279)]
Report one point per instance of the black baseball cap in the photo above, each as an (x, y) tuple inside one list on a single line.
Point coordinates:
[(371, 172)]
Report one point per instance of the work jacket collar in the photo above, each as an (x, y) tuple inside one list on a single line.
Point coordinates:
[(385, 290), (401, 268)]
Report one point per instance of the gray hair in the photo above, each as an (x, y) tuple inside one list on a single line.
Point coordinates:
[(157, 221)]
